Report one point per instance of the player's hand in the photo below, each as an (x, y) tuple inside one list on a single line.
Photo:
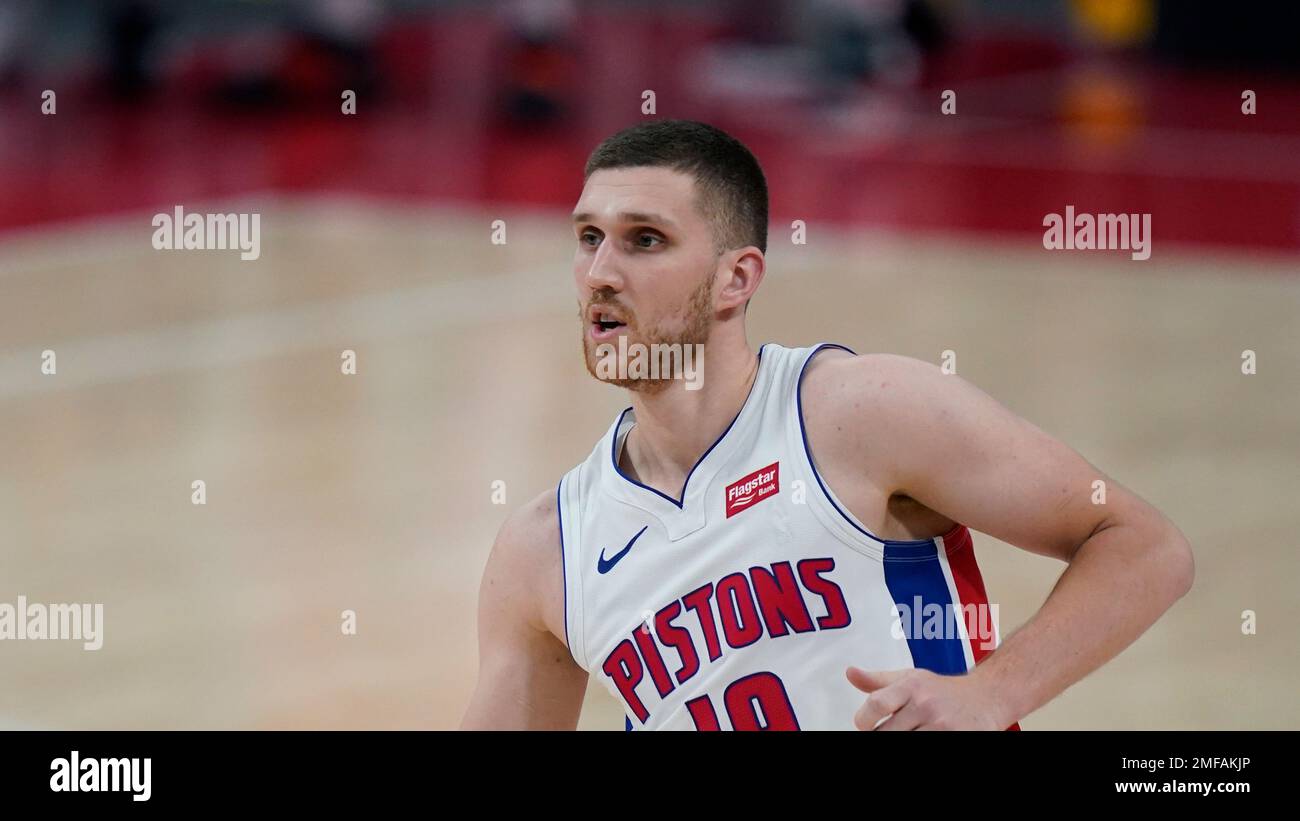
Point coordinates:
[(922, 700)]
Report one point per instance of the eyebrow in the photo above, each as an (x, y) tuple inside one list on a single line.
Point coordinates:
[(630, 216)]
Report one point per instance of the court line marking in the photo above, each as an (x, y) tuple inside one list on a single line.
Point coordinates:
[(46, 245), (337, 324), (331, 324), (88, 240)]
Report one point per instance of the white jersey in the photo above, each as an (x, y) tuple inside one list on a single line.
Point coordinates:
[(739, 603)]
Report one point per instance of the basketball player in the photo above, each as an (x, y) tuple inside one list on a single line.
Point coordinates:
[(784, 544)]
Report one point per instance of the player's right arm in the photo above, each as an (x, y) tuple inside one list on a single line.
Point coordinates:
[(527, 679)]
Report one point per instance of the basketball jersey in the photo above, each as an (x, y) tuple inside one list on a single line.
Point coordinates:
[(739, 603)]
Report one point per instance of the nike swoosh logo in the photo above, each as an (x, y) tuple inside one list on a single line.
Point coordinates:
[(604, 565)]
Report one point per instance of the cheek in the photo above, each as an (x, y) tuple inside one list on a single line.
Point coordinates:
[(581, 287), (662, 307)]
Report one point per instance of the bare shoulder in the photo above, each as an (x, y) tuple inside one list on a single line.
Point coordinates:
[(524, 572), (838, 373), (527, 679), (885, 415), (842, 392), (529, 526)]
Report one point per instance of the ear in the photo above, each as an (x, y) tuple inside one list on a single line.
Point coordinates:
[(741, 277)]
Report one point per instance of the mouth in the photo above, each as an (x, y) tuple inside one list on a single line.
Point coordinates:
[(605, 323)]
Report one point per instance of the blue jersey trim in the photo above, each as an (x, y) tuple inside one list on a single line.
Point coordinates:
[(912, 582), (803, 433), (559, 512)]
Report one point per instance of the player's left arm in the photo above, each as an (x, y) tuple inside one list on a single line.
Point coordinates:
[(943, 442)]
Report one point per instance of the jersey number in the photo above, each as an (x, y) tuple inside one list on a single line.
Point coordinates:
[(755, 702)]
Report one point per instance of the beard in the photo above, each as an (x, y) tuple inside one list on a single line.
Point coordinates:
[(697, 321)]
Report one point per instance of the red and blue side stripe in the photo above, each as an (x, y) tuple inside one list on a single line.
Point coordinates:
[(942, 572)]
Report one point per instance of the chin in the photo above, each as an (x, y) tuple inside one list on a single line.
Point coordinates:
[(647, 387)]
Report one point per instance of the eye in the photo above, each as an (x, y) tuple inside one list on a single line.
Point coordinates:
[(590, 238), (641, 239)]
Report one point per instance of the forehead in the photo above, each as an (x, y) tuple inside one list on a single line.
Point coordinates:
[(644, 190)]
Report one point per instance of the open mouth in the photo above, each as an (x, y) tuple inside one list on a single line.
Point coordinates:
[(605, 323)]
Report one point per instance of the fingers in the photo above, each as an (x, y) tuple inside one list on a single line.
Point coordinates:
[(870, 680), (879, 705), (908, 718)]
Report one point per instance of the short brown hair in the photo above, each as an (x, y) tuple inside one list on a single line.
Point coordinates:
[(733, 191)]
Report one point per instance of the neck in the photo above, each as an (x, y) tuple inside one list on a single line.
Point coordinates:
[(675, 426)]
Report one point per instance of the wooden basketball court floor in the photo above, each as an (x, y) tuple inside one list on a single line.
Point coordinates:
[(373, 492)]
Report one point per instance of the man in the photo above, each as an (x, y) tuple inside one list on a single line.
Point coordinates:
[(782, 542)]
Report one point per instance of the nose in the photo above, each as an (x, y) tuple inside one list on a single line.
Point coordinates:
[(604, 269)]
